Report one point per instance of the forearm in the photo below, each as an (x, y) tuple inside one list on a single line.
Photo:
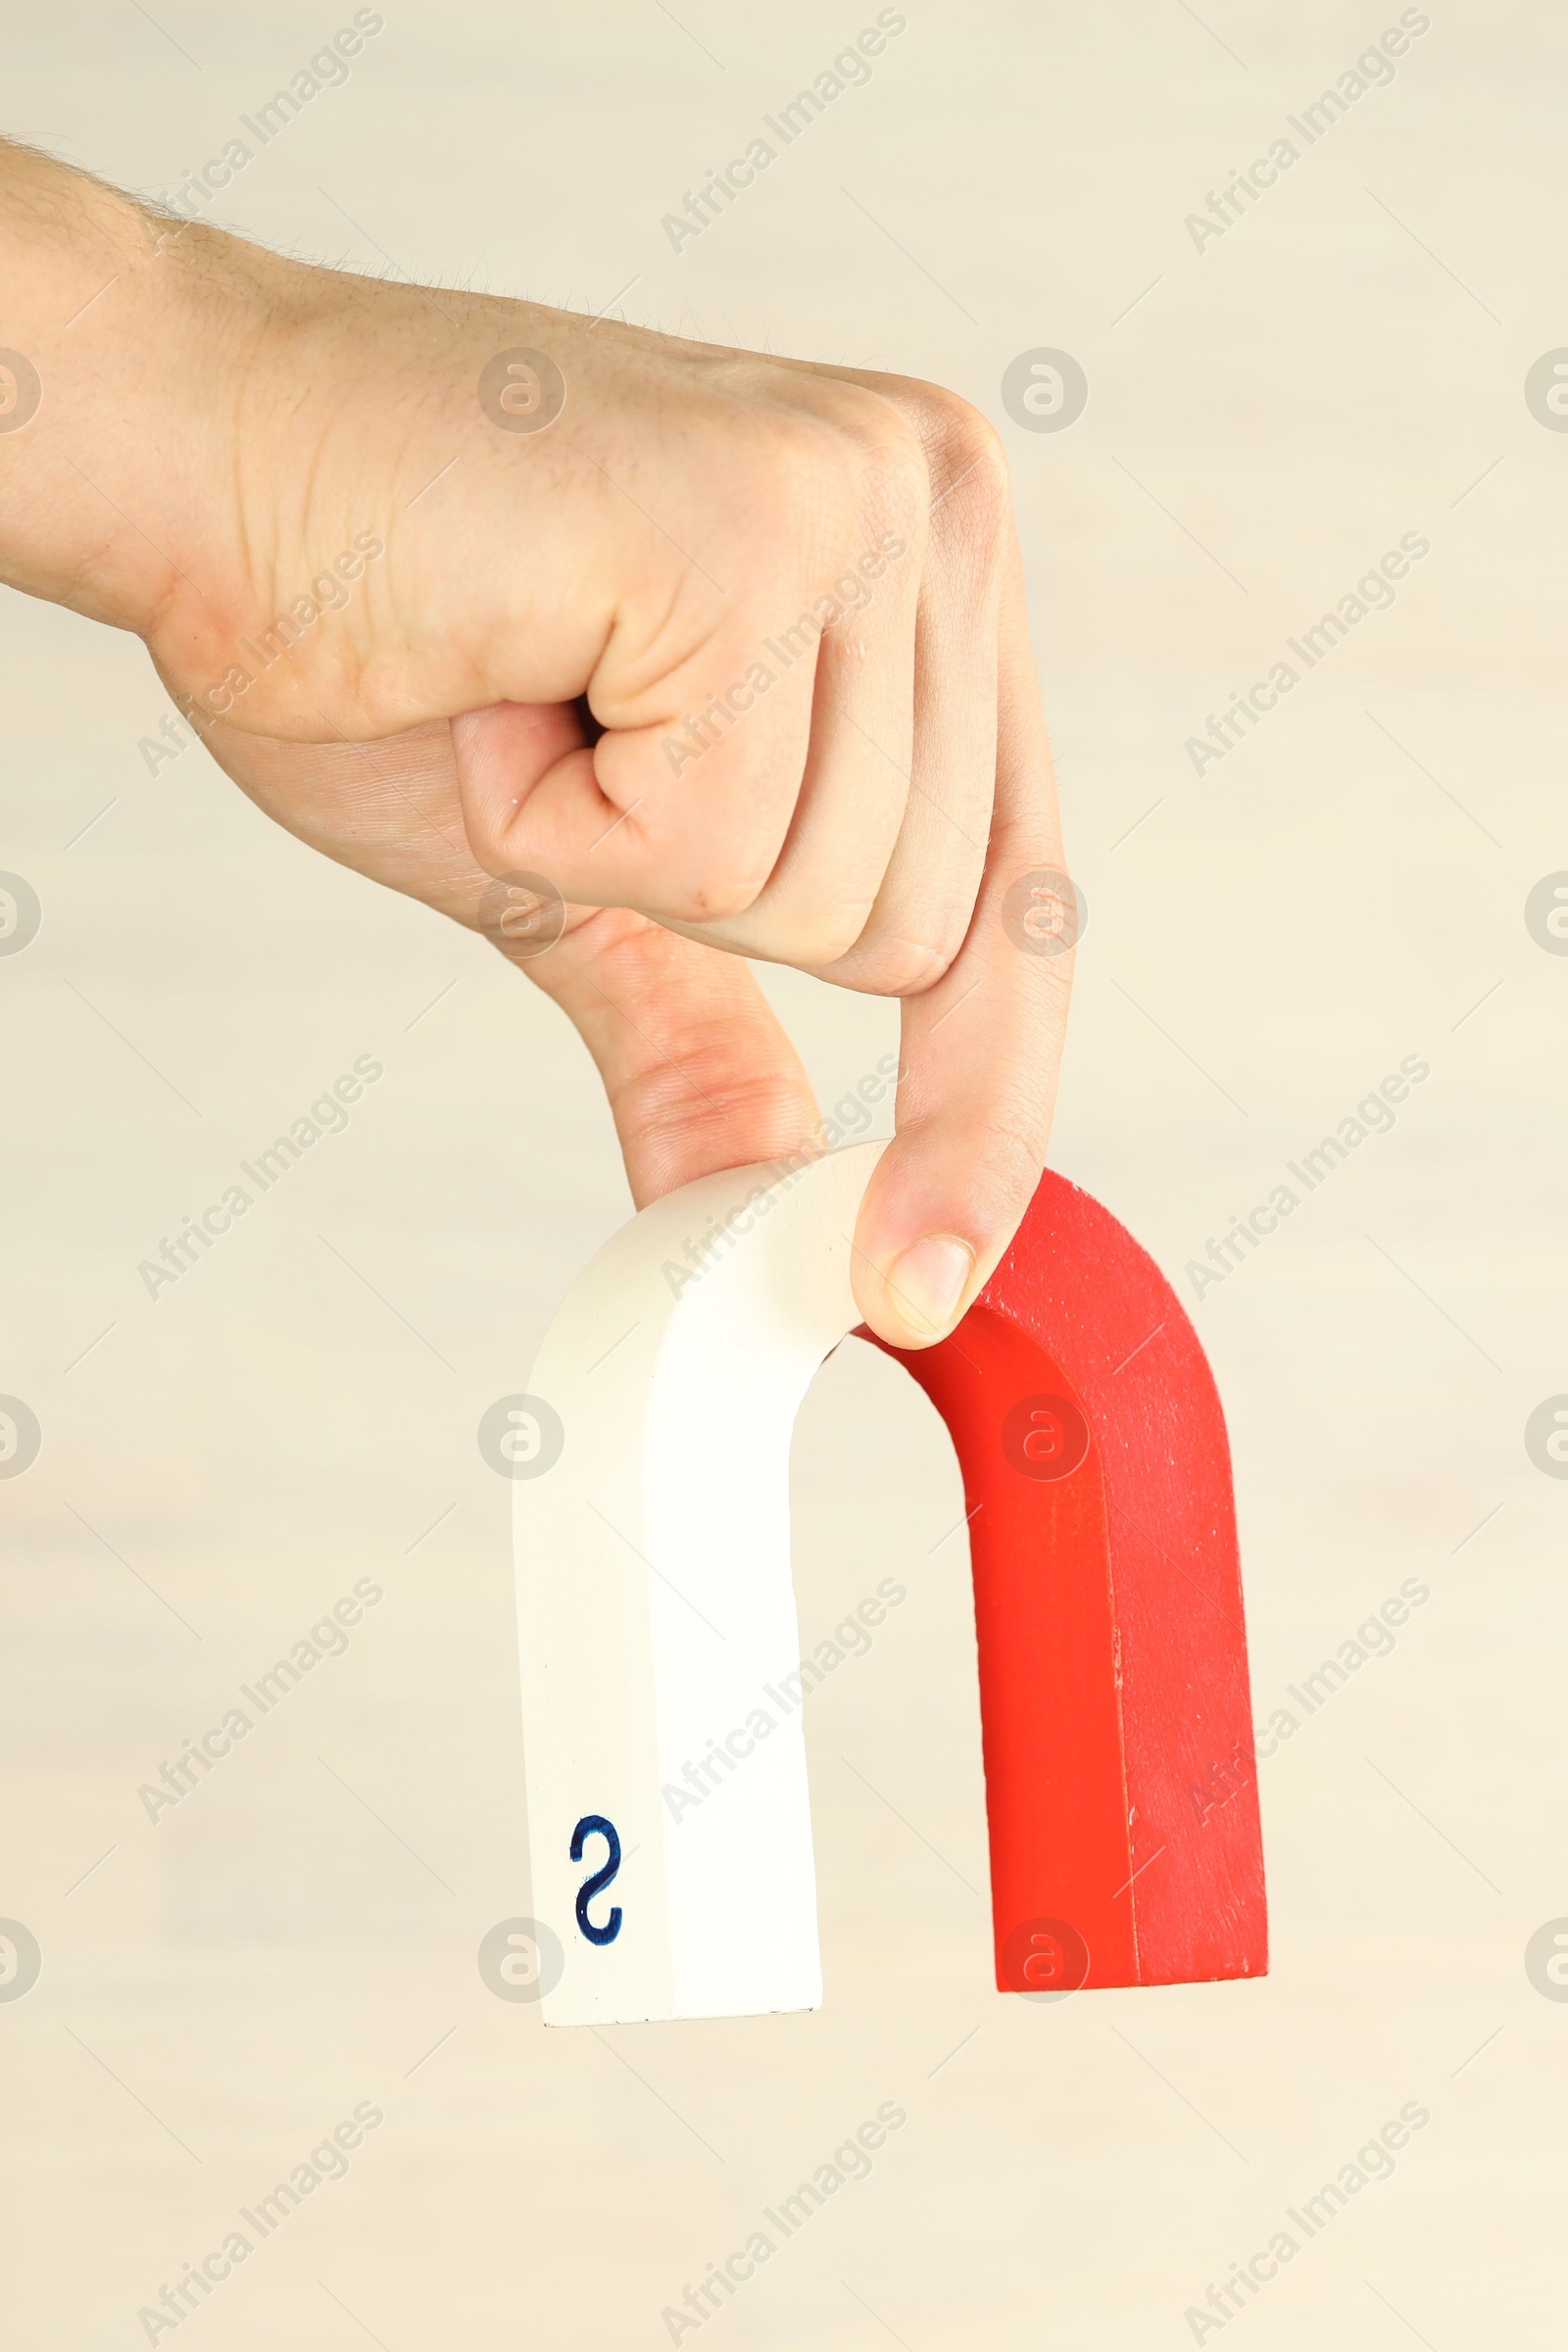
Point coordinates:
[(117, 329), (191, 427)]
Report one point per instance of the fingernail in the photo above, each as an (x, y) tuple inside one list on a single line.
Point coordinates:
[(928, 1281)]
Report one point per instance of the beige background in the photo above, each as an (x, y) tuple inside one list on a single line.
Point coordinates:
[(1273, 414)]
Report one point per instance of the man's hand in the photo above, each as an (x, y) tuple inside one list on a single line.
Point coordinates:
[(729, 654)]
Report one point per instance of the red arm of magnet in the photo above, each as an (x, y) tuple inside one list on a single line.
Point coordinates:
[(1120, 1781)]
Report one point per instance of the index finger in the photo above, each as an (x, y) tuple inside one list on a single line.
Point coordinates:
[(982, 1048)]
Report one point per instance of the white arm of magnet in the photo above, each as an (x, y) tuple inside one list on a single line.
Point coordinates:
[(656, 1615)]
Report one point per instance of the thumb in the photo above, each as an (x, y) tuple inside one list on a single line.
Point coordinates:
[(699, 1071)]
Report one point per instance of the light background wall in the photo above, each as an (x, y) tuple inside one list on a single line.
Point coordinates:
[(1266, 416)]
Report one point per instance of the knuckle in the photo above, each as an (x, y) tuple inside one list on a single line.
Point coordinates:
[(971, 469), (708, 898), (964, 457), (695, 877), (797, 456), (829, 937), (803, 479), (858, 452), (942, 461), (1005, 1152), (886, 963), (906, 967), (890, 459), (698, 1092), (1012, 1147)]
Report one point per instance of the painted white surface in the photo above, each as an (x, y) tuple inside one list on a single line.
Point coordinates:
[(655, 1612)]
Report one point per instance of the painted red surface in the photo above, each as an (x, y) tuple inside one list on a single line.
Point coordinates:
[(1120, 1781)]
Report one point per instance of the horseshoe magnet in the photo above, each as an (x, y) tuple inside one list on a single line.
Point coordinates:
[(658, 1628)]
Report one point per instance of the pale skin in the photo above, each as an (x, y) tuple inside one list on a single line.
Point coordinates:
[(220, 425)]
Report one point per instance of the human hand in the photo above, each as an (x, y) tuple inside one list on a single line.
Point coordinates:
[(790, 597)]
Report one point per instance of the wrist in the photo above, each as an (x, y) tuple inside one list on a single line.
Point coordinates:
[(122, 327)]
